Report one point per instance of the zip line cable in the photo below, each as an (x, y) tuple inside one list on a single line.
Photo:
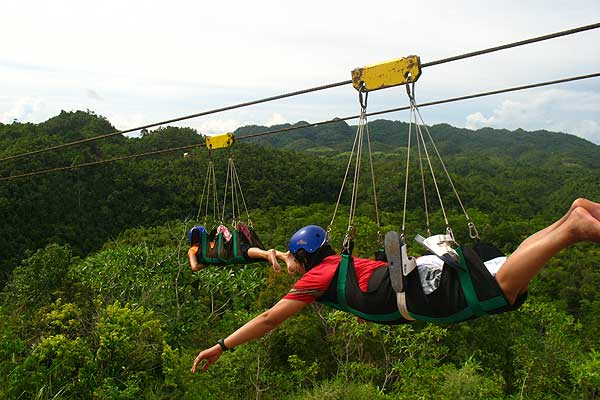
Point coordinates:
[(307, 125), (431, 103), (304, 91), (514, 44)]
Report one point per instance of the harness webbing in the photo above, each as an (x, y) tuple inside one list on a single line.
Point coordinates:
[(342, 303), (467, 286), (341, 283), (475, 308), (217, 255)]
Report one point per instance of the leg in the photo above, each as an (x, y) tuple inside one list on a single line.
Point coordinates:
[(289, 260), (273, 255), (590, 206), (269, 255), (577, 225)]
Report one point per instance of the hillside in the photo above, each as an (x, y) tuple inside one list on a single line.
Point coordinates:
[(97, 299), (528, 173), (542, 148)]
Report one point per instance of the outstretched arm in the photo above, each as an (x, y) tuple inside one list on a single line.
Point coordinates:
[(194, 264), (253, 329)]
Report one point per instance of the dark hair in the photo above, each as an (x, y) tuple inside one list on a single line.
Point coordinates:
[(310, 260)]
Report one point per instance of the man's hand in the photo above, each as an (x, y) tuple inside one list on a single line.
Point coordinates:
[(211, 355), (251, 330)]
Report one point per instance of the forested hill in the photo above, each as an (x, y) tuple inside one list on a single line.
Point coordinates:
[(539, 147), (97, 299), (525, 173)]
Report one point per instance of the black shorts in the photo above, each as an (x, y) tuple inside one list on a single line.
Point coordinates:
[(448, 304)]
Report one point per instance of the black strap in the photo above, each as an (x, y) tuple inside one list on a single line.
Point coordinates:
[(221, 342)]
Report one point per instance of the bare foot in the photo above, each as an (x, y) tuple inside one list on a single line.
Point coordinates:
[(290, 262), (584, 226), (590, 206), (272, 257)]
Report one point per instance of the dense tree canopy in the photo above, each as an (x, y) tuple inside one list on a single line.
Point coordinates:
[(98, 301)]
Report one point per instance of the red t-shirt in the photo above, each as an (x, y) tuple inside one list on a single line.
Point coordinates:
[(315, 282)]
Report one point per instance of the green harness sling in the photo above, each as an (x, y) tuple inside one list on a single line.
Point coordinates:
[(474, 308), (217, 251)]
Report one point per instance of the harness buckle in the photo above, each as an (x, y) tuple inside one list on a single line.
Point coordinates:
[(442, 246)]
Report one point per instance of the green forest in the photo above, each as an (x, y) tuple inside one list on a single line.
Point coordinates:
[(98, 301)]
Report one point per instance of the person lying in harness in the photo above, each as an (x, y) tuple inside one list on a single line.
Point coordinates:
[(222, 247), (483, 281)]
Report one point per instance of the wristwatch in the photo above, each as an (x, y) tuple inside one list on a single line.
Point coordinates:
[(221, 342)]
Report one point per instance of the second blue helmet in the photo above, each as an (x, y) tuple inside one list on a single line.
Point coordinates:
[(310, 238), (196, 234)]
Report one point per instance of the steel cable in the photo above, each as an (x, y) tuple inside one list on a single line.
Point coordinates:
[(305, 91), (308, 125)]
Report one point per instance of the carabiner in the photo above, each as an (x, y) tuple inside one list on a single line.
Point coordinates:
[(473, 234), (410, 93), (363, 102)]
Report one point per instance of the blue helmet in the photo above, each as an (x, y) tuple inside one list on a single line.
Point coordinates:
[(310, 238), (196, 234)]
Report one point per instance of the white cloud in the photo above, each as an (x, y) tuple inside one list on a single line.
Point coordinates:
[(568, 111), (477, 120), (589, 130), (276, 119), (217, 126), (223, 61), (26, 109)]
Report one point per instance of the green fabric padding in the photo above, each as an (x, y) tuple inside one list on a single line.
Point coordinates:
[(467, 286), (235, 239), (341, 283), (395, 316), (487, 305), (204, 259), (475, 307), (342, 304), (237, 258)]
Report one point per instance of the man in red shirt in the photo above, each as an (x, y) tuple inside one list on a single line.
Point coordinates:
[(311, 256)]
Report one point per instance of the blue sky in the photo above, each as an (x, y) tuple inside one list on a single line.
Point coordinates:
[(139, 62)]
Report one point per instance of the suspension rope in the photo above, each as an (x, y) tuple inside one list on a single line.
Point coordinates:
[(337, 204), (305, 91), (424, 188), (241, 194), (443, 165), (209, 181), (435, 184), (406, 174), (306, 125), (379, 236), (225, 192), (354, 196), (233, 184), (206, 184)]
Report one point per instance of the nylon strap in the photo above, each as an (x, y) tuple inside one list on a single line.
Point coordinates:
[(467, 286), (342, 304), (235, 244), (341, 283)]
